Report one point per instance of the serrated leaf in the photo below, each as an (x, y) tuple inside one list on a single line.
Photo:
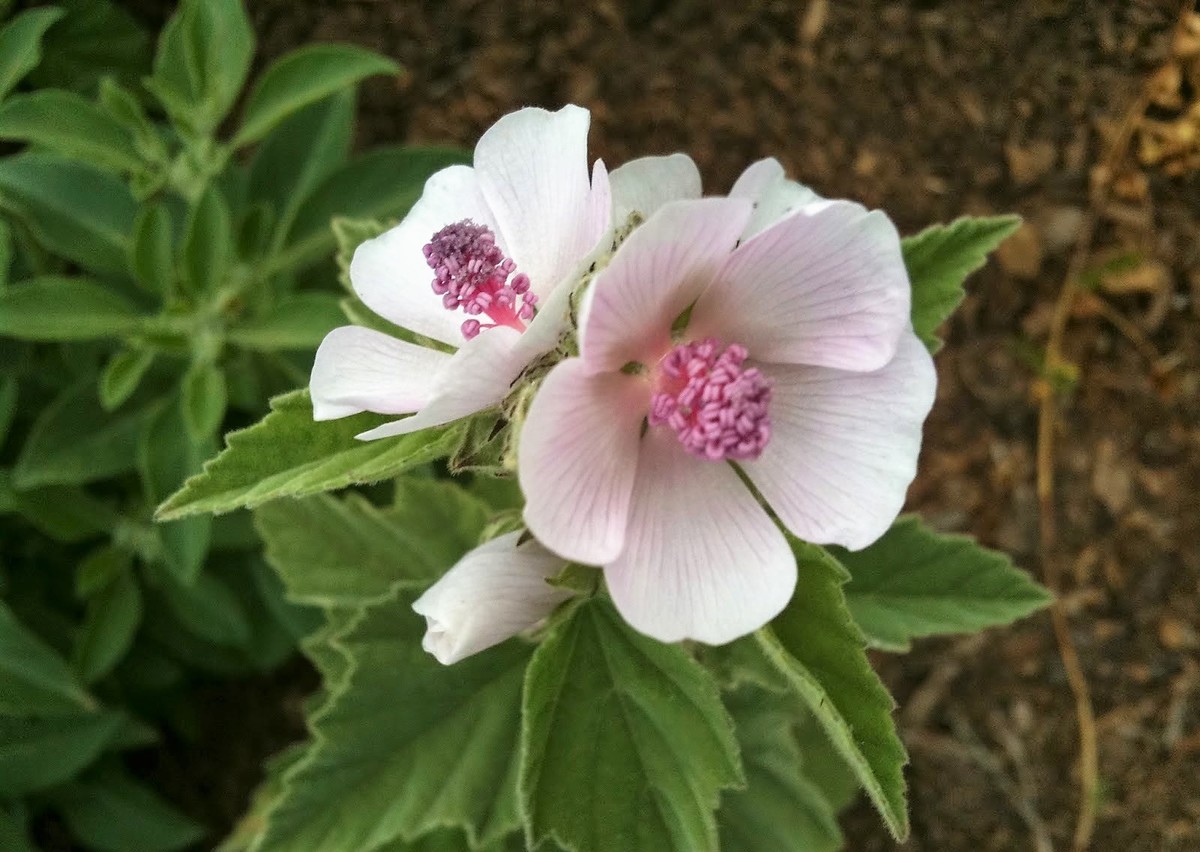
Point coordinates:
[(345, 552), (625, 744), (122, 375), (302, 77), (151, 249), (38, 753), (70, 125), (53, 307), (781, 809), (112, 619), (940, 258), (407, 746), (75, 210), (378, 185), (288, 454), (914, 582), (208, 245), (111, 812), (74, 441), (21, 45), (816, 645), (34, 679), (300, 321)]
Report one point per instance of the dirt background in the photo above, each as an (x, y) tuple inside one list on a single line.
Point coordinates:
[(929, 110)]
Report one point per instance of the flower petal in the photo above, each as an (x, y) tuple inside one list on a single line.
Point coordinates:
[(533, 172), (477, 376), (360, 369), (774, 196), (654, 276), (577, 459), (844, 445), (702, 559), (825, 286), (646, 184), (491, 594), (390, 274)]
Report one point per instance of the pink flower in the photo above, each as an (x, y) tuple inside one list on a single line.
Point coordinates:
[(784, 359), (482, 263)]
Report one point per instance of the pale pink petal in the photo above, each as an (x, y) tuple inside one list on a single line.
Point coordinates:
[(702, 559), (577, 458), (478, 376), (774, 196), (844, 445), (825, 286), (533, 171), (390, 274), (655, 274), (493, 593), (646, 184), (359, 369)]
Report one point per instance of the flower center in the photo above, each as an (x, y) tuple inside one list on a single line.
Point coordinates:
[(718, 408), (471, 273)]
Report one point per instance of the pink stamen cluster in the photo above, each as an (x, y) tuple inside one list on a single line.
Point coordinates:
[(471, 273), (718, 409)]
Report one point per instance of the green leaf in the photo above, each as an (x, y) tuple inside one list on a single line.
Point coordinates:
[(626, 746), (122, 375), (204, 400), (817, 646), (302, 77), (824, 765), (73, 209), (914, 582), (13, 834), (207, 250), (381, 184), (781, 809), (6, 254), (111, 812), (34, 679), (64, 514), (298, 322), (56, 308), (299, 154), (408, 746), (208, 608), (100, 569), (21, 45), (311, 542), (96, 38), (940, 258), (70, 125), (8, 403), (74, 441), (288, 454), (38, 753), (168, 456), (151, 251), (112, 619)]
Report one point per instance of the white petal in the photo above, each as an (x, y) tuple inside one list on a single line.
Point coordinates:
[(360, 369), (577, 459), (390, 274), (844, 445), (825, 286), (646, 184), (656, 273), (478, 376), (774, 196), (533, 172), (492, 594), (702, 559)]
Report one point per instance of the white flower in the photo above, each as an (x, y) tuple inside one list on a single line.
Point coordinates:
[(493, 593), (477, 264)]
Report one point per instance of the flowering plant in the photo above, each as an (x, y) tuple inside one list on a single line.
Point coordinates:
[(640, 525)]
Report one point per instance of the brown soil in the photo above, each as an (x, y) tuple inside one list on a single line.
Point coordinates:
[(928, 110)]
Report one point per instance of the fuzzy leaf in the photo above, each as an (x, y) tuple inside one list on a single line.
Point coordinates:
[(70, 125), (302, 77), (407, 746), (288, 454), (816, 645), (34, 679), (940, 258), (626, 746), (56, 308), (21, 45), (345, 552), (915, 582)]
